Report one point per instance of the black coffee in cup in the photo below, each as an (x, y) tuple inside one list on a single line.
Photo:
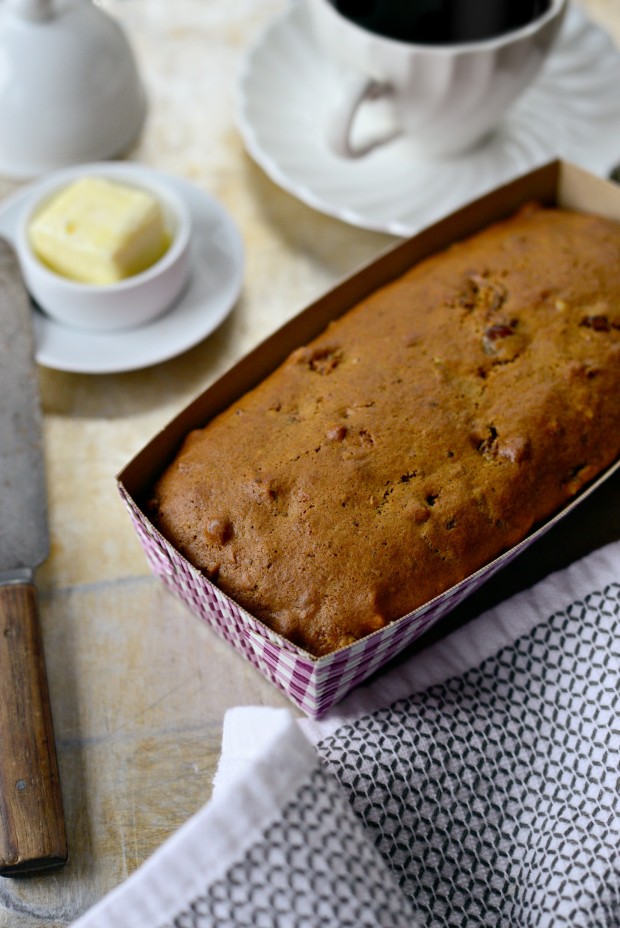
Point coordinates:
[(441, 22)]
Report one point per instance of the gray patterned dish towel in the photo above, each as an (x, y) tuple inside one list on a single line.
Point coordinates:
[(476, 784)]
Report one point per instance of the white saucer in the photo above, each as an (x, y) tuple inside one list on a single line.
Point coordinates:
[(213, 289), (572, 111)]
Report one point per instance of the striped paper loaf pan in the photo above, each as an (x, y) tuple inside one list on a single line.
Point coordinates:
[(317, 683)]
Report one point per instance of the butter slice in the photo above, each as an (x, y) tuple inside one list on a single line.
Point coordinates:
[(98, 231)]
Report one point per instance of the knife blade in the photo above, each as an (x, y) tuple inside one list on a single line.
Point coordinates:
[(32, 825)]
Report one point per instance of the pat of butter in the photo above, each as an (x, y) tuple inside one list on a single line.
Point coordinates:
[(98, 231)]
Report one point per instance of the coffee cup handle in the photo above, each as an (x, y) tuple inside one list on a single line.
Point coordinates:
[(342, 118)]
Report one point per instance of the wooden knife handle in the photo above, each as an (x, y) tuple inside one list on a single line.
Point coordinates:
[(32, 826)]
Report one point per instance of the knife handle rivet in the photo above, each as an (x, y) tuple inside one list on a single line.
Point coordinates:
[(20, 785)]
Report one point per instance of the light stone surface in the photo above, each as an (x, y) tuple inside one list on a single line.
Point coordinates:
[(138, 685)]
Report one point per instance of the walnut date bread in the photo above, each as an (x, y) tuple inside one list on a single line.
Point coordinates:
[(422, 434)]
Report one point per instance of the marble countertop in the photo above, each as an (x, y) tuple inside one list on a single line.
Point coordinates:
[(138, 685)]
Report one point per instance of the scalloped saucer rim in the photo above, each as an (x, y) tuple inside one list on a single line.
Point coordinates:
[(283, 140)]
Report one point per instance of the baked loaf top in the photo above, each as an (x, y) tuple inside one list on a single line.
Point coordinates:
[(422, 434)]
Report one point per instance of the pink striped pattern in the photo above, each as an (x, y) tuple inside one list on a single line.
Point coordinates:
[(313, 684)]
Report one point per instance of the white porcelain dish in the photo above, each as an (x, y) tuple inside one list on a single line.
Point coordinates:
[(129, 302), (572, 111), (70, 90), (216, 277)]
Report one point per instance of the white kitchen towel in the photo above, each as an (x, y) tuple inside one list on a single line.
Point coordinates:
[(486, 769), (477, 783), (277, 847)]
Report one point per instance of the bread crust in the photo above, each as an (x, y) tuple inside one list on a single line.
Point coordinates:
[(422, 434)]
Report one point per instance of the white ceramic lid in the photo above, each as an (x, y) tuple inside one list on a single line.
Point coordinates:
[(69, 86)]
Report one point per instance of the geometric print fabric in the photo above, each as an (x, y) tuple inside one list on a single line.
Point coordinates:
[(313, 866), (494, 797), (491, 798)]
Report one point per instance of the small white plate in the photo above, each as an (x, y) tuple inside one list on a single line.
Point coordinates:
[(572, 111), (216, 275)]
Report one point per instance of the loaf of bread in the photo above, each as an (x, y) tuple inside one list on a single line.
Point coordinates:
[(422, 434)]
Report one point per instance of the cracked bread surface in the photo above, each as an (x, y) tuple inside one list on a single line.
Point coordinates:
[(419, 436)]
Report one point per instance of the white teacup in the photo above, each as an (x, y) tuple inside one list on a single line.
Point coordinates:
[(445, 97)]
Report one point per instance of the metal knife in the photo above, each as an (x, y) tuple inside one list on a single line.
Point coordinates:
[(32, 826)]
